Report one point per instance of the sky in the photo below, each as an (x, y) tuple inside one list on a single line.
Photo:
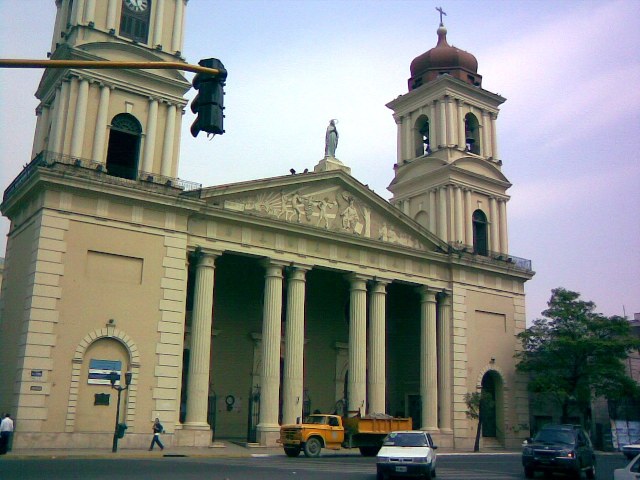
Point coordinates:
[(567, 134)]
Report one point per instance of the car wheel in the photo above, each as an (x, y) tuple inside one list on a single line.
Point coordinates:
[(529, 472), (312, 447), (292, 451), (591, 473)]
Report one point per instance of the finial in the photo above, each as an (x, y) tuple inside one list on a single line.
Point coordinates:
[(442, 12)]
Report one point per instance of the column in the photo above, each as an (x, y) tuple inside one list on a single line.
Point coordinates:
[(399, 154), (462, 141), (80, 118), (42, 127), (442, 214), (357, 385), (432, 211), (468, 218), (199, 361), (443, 123), (293, 376), (76, 13), (59, 26), (428, 360), (100, 133), (494, 139), (445, 365), (377, 348), (112, 7), (157, 31), (494, 239), (268, 427), (458, 214), (176, 44), (150, 140), (486, 141), (504, 238), (56, 143), (169, 136), (90, 11), (433, 125), (451, 130)]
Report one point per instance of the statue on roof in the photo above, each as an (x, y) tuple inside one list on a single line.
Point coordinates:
[(331, 139)]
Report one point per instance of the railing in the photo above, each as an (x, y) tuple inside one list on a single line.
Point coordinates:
[(490, 257), (99, 172)]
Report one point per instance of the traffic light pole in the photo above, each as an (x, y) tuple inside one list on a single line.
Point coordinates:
[(98, 64)]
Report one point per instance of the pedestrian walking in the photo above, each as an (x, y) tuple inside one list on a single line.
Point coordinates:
[(6, 430), (157, 430)]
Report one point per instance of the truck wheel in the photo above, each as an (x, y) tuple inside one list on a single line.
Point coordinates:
[(369, 451), (312, 448), (292, 451)]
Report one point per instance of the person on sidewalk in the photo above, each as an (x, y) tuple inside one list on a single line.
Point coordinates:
[(6, 430), (157, 430)]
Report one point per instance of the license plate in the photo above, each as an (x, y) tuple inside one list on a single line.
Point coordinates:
[(401, 469)]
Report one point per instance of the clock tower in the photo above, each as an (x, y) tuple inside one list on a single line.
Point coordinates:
[(448, 175), (122, 122)]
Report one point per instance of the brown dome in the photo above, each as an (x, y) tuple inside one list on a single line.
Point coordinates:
[(444, 59)]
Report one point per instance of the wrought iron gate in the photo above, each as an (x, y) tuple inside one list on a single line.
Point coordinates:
[(254, 414)]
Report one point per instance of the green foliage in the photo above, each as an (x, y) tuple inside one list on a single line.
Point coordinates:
[(575, 354)]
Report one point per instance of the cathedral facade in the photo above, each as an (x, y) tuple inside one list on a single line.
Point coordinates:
[(241, 307)]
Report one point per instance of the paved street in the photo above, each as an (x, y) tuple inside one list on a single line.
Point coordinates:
[(269, 465)]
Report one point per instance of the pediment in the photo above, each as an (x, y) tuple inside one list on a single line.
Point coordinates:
[(480, 167), (330, 202)]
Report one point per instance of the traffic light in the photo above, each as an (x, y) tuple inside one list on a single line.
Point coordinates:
[(209, 103)]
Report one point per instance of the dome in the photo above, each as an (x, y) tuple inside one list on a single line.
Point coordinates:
[(444, 59)]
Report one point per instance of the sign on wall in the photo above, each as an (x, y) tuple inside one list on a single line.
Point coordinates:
[(99, 371)]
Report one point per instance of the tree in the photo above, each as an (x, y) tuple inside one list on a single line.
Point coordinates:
[(575, 354), (477, 404)]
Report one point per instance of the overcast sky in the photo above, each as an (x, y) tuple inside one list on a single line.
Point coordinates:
[(568, 132)]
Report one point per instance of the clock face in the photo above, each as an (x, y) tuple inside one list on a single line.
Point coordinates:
[(137, 6)]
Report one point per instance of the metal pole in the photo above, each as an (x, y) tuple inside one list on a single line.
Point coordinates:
[(115, 431)]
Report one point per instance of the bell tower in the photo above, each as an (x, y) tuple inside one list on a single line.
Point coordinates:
[(448, 173), (122, 122)]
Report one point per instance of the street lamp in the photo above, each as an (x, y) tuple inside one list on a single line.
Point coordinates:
[(113, 378)]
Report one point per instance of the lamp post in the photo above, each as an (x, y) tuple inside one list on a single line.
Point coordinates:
[(113, 378)]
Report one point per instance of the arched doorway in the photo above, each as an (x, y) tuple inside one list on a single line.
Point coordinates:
[(124, 146), (492, 410)]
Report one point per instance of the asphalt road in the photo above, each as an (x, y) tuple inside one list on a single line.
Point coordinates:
[(450, 467)]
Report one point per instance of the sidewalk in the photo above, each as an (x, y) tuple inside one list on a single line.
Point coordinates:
[(218, 449)]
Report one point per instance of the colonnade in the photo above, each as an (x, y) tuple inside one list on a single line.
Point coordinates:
[(83, 12), (365, 394), (451, 217), (447, 127), (82, 85)]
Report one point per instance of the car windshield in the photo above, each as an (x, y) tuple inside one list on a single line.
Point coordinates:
[(317, 419), (406, 440), (555, 436)]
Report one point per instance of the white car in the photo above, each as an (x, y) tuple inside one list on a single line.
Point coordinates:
[(630, 472), (632, 449), (407, 453)]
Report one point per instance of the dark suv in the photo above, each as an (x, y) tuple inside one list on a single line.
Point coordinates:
[(560, 448)]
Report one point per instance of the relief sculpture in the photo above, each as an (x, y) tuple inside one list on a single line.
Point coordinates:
[(330, 210)]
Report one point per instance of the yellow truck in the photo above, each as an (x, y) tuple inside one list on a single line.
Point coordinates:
[(335, 432)]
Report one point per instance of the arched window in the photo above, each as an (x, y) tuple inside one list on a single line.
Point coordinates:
[(472, 133), (421, 136), (422, 218), (124, 146), (480, 239)]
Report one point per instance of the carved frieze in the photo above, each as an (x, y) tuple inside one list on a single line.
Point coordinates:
[(332, 209)]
